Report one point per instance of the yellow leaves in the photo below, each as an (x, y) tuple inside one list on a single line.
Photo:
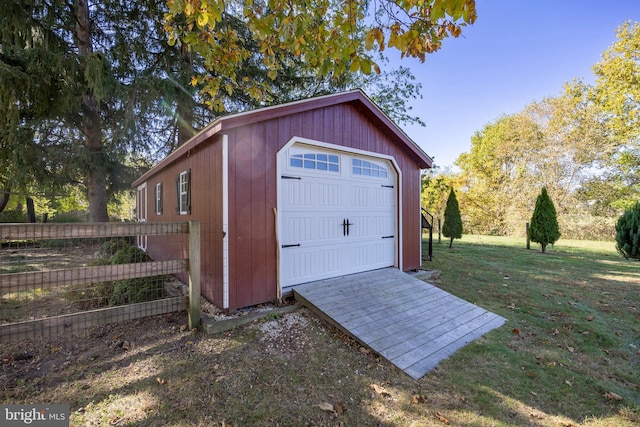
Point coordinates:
[(203, 18), (327, 36)]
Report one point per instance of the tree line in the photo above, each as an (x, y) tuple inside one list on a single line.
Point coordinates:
[(583, 146), (91, 94)]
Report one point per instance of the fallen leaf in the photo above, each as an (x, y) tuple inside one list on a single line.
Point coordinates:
[(418, 398), (571, 349), (364, 350), (568, 383), (339, 408), (160, 380), (555, 332), (441, 418), (515, 331), (55, 349), (326, 407), (612, 396), (380, 390), (589, 318)]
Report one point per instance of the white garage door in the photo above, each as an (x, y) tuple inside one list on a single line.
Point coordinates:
[(337, 214)]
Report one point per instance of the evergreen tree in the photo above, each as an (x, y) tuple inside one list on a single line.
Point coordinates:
[(452, 227), (544, 227), (628, 233)]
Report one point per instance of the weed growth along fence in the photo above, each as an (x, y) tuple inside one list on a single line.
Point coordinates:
[(58, 279)]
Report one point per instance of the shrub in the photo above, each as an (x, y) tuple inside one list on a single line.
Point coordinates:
[(127, 291), (628, 233), (544, 222), (452, 227), (131, 291)]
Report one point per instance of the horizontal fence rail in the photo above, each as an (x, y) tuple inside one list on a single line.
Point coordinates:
[(53, 276)]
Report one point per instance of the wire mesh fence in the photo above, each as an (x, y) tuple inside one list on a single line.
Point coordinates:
[(58, 279)]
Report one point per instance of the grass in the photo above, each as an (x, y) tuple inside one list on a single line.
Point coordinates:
[(572, 335), (567, 356)]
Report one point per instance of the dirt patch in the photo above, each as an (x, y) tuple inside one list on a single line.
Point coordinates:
[(288, 370)]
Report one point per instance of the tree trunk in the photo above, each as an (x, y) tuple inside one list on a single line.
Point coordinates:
[(185, 100), (544, 248), (4, 199), (451, 243), (91, 127), (31, 211)]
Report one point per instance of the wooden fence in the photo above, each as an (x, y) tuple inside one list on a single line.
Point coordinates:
[(32, 282)]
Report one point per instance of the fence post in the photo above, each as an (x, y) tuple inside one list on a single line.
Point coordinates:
[(528, 240), (194, 274)]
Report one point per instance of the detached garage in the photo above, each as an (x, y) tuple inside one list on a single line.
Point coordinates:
[(290, 194)]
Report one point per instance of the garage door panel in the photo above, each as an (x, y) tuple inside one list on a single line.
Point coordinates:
[(312, 228), (314, 205), (305, 193), (307, 264)]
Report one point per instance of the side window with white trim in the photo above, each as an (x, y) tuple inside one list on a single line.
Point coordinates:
[(183, 192)]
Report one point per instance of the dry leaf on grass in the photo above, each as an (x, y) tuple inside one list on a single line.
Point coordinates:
[(442, 418), (160, 380), (612, 396), (380, 390), (515, 331), (364, 350), (418, 398), (326, 407)]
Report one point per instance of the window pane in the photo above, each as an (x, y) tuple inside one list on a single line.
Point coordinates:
[(322, 166), (295, 162), (334, 168), (375, 173), (383, 174), (356, 162), (309, 164), (333, 159), (322, 157), (366, 164), (366, 172), (310, 156), (357, 170)]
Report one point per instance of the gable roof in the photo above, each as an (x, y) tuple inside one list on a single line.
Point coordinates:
[(356, 97)]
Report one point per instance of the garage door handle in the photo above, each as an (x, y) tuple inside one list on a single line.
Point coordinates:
[(291, 177), (291, 246)]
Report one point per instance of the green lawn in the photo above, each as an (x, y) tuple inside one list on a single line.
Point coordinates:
[(571, 346), (567, 356)]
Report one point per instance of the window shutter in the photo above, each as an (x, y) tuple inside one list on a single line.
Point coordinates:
[(189, 191), (178, 193), (160, 197)]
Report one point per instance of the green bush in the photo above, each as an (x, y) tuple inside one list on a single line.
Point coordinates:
[(127, 291), (544, 222), (131, 291), (628, 233)]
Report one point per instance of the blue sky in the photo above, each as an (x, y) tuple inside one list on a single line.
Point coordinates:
[(518, 51)]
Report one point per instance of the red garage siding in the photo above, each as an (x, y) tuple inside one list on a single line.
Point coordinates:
[(349, 120)]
